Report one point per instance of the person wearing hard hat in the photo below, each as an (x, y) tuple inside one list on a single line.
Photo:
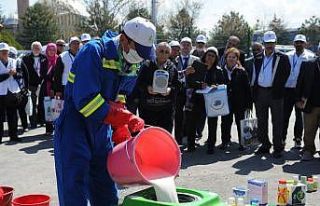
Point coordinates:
[(63, 66), (60, 46), (175, 50), (91, 118), (9, 90), (271, 71), (201, 42), (296, 57), (85, 38)]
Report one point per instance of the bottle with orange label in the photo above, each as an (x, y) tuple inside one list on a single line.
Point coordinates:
[(283, 193)]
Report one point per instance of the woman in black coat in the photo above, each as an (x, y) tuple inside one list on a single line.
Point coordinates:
[(213, 78), (239, 96), (195, 105)]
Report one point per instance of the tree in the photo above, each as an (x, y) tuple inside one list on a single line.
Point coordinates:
[(183, 23), (102, 15), (231, 24), (1, 15), (135, 11), (279, 27), (38, 25), (311, 28), (7, 37)]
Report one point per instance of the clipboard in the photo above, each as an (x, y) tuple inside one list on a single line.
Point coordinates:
[(199, 74)]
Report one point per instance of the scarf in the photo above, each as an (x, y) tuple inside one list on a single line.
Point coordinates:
[(51, 64)]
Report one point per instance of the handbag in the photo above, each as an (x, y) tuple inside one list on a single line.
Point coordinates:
[(249, 127), (29, 106), (216, 101), (56, 108), (47, 109)]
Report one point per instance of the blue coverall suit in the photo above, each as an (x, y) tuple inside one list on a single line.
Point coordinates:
[(82, 141)]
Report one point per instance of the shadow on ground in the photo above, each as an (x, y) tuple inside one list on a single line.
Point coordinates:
[(200, 157), (43, 143), (303, 168)]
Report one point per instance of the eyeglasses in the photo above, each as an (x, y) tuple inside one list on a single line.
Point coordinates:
[(164, 51), (61, 45)]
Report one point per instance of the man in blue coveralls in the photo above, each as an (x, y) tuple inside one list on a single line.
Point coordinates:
[(83, 134)]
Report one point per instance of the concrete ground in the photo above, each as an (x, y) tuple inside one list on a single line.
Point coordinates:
[(29, 167)]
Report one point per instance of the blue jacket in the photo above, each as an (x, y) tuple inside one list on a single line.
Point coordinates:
[(93, 82)]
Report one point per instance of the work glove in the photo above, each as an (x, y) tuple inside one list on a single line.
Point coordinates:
[(121, 134), (135, 124), (117, 115)]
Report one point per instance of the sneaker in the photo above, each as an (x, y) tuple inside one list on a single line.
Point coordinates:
[(307, 156)]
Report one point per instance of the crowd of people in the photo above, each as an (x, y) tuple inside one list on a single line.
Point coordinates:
[(41, 73), (269, 79)]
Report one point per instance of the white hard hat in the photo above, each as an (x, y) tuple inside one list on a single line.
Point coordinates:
[(201, 39), (174, 43), (4, 47), (85, 37), (143, 33), (186, 39), (269, 37)]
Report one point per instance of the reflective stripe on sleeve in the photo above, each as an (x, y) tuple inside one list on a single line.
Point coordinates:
[(92, 106), (71, 77)]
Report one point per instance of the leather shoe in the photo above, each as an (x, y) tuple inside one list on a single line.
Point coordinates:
[(276, 154), (210, 151), (224, 146), (191, 149), (262, 150), (15, 139)]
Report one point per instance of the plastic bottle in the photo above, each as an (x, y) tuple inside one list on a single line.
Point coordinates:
[(283, 194), (232, 201), (254, 202), (310, 185), (303, 180), (240, 201), (315, 183)]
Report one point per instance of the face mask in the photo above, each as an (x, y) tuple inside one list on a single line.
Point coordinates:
[(132, 56)]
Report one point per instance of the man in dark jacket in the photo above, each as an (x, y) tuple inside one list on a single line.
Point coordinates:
[(308, 99), (271, 71), (233, 41), (35, 63), (157, 108), (256, 48)]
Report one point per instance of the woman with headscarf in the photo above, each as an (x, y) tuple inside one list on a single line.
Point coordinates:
[(46, 86)]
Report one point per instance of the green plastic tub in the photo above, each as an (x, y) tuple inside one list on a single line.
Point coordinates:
[(187, 197)]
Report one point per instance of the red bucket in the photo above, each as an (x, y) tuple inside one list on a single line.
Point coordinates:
[(6, 199), (152, 154), (32, 200)]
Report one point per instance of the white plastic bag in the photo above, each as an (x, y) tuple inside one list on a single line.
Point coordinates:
[(29, 105), (56, 108), (47, 109), (249, 127)]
